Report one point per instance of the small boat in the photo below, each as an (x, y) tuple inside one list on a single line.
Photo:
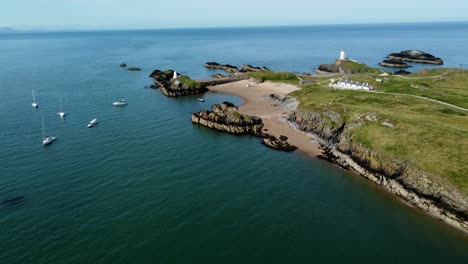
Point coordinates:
[(61, 113), (120, 103), (201, 100), (92, 123), (34, 103), (46, 140)]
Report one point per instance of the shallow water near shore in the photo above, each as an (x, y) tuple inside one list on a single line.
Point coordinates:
[(145, 185)]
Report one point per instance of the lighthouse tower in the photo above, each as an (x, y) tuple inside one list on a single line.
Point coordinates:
[(342, 55)]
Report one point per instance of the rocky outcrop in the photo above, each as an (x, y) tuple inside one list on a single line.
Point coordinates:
[(133, 69), (402, 72), (393, 63), (416, 56), (344, 67), (175, 87), (225, 118), (123, 65), (225, 67), (250, 68), (419, 188), (234, 69), (280, 143)]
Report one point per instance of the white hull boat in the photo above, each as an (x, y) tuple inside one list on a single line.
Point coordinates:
[(92, 123), (120, 103), (46, 140), (34, 103)]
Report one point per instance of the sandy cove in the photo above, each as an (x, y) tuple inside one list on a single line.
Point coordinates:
[(257, 103)]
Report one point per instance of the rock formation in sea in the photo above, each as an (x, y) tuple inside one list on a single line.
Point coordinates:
[(250, 68), (416, 56), (280, 143), (226, 118), (401, 72), (417, 187), (133, 69), (175, 87), (394, 63), (123, 65), (234, 69), (225, 67)]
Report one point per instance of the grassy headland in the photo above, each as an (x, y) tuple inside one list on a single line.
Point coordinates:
[(431, 136)]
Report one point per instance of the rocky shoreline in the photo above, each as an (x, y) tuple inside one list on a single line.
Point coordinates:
[(398, 177)]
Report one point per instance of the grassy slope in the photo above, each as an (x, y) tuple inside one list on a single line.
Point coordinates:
[(431, 136), (447, 85), (284, 77), (190, 83)]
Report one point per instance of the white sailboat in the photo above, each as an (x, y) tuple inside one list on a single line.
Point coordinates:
[(46, 140), (92, 123), (61, 113), (34, 103)]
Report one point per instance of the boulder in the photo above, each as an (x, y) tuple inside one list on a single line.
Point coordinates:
[(123, 65), (133, 69)]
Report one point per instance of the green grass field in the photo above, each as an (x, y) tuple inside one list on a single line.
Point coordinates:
[(446, 85), (433, 137), (284, 77)]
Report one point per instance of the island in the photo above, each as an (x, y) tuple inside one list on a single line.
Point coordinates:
[(416, 56), (344, 66), (172, 84), (394, 63)]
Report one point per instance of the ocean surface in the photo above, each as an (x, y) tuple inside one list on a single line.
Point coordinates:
[(147, 186)]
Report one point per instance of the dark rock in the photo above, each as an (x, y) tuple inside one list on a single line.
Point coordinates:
[(394, 63), (12, 201), (133, 69), (402, 72), (280, 144), (416, 56), (225, 118), (123, 65), (218, 75), (250, 68), (226, 67)]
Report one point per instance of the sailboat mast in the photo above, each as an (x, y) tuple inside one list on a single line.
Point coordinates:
[(43, 128), (34, 96)]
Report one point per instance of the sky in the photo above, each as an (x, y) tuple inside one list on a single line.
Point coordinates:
[(153, 14)]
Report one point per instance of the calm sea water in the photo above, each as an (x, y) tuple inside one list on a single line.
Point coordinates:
[(147, 186)]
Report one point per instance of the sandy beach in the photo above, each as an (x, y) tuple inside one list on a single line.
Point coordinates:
[(257, 103)]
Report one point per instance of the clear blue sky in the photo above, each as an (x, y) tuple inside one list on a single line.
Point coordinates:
[(132, 14)]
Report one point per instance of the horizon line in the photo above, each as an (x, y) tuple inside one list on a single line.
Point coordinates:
[(70, 30)]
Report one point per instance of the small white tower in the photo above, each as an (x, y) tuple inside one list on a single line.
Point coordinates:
[(342, 55), (175, 75)]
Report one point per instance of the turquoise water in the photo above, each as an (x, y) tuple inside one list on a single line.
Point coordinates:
[(147, 186)]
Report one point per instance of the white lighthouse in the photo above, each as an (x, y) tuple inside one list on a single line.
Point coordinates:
[(343, 55)]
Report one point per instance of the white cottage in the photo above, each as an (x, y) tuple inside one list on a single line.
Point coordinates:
[(350, 85)]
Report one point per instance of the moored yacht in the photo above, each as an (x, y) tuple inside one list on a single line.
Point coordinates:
[(46, 140), (92, 123), (120, 103), (34, 103)]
